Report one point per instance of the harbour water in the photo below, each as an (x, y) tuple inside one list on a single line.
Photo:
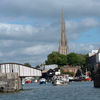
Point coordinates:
[(74, 91)]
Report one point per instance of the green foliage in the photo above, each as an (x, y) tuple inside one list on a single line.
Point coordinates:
[(56, 58), (70, 59), (27, 64), (76, 59), (62, 60), (86, 59), (37, 67)]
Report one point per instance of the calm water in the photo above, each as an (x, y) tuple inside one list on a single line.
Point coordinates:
[(75, 91)]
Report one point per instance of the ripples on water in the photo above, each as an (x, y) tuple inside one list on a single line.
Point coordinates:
[(74, 91)]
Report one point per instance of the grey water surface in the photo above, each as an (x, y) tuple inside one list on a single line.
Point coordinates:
[(74, 91)]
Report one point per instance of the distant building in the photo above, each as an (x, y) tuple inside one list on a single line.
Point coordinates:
[(69, 68), (93, 52), (47, 67), (94, 58), (63, 47)]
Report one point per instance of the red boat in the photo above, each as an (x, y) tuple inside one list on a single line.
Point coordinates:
[(87, 78), (29, 81)]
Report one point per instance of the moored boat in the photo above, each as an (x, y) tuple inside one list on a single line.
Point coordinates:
[(87, 78), (28, 81), (43, 81), (60, 80)]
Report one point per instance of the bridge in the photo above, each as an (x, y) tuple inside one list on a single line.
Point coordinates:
[(23, 71)]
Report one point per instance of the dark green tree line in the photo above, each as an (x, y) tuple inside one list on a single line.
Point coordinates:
[(70, 59)]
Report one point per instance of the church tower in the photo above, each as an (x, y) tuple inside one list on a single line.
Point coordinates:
[(63, 47)]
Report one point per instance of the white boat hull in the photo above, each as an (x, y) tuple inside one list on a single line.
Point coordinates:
[(60, 83), (60, 80)]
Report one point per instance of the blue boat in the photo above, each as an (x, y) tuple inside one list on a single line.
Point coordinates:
[(43, 81)]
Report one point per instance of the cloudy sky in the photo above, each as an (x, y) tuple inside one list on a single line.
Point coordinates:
[(31, 29)]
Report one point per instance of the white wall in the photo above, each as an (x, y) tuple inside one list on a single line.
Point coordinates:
[(20, 69), (47, 67)]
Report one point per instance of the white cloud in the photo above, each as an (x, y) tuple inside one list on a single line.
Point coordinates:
[(48, 32), (38, 49), (49, 8), (33, 54), (15, 30), (76, 28), (1, 54), (83, 48), (39, 27), (37, 53), (5, 43), (35, 50)]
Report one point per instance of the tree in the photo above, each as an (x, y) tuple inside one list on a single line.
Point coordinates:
[(56, 58), (70, 59), (62, 60), (37, 67), (73, 59), (76, 59), (52, 58), (27, 64)]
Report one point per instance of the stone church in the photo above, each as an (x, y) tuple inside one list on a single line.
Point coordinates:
[(63, 47)]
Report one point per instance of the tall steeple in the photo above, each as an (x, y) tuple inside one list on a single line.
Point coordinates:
[(63, 47)]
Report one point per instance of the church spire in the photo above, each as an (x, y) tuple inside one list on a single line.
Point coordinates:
[(63, 47)]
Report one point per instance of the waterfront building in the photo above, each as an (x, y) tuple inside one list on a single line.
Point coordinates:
[(72, 69), (63, 46), (94, 58), (93, 52), (23, 71), (47, 67)]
